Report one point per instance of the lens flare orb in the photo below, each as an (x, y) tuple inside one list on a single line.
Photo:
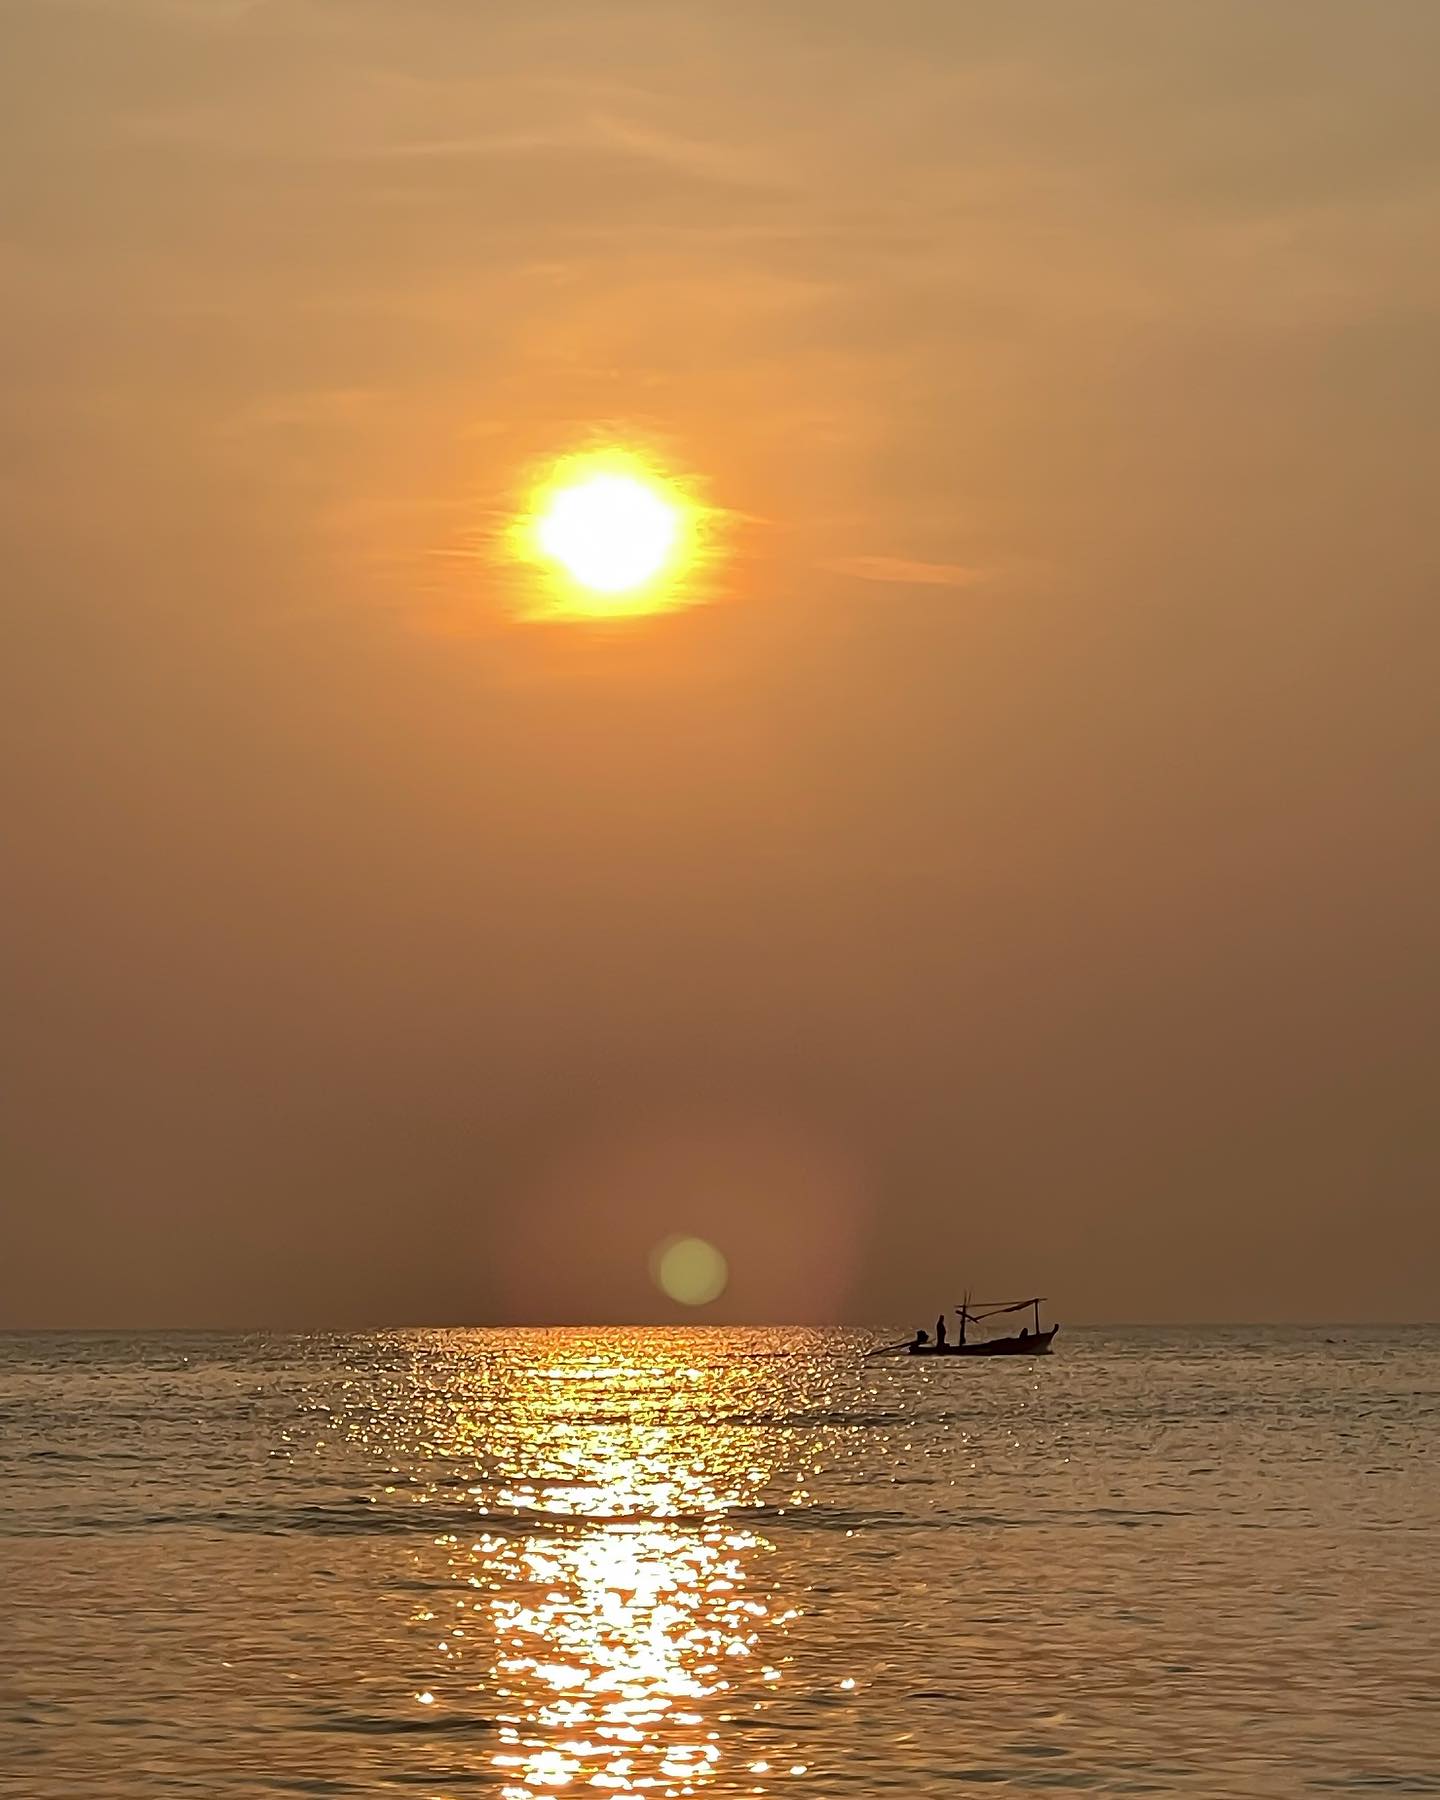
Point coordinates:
[(689, 1271)]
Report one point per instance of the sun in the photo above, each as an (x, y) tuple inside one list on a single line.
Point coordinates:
[(610, 532), (616, 536)]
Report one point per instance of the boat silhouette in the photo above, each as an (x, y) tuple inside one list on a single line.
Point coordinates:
[(1025, 1342)]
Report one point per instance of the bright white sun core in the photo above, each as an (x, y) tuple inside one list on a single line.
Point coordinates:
[(616, 537), (610, 532)]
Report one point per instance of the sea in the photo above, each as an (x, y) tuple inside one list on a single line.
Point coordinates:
[(443, 1563)]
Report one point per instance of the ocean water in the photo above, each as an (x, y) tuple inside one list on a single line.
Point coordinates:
[(444, 1563)]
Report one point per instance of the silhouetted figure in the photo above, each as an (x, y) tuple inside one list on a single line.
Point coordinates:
[(1024, 1331), (940, 1332), (921, 1339)]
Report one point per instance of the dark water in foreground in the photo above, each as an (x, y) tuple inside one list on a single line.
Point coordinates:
[(705, 1562)]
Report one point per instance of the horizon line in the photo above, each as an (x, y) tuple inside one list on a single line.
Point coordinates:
[(294, 1330)]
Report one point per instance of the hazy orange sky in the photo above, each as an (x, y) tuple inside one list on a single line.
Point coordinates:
[(1022, 871)]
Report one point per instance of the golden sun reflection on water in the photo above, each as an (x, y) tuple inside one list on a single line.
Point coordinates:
[(614, 1661), (606, 1618)]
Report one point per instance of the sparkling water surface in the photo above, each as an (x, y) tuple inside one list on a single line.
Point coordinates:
[(442, 1563)]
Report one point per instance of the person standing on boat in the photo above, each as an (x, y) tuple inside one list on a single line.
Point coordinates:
[(940, 1332)]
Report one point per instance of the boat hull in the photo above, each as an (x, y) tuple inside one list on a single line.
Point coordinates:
[(1035, 1343)]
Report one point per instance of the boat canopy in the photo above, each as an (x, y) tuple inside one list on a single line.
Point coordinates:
[(984, 1309)]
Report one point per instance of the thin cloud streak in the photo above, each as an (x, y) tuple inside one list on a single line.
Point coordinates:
[(905, 571)]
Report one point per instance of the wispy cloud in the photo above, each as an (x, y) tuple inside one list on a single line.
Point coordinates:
[(906, 570)]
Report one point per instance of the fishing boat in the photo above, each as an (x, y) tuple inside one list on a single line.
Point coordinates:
[(974, 1312)]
